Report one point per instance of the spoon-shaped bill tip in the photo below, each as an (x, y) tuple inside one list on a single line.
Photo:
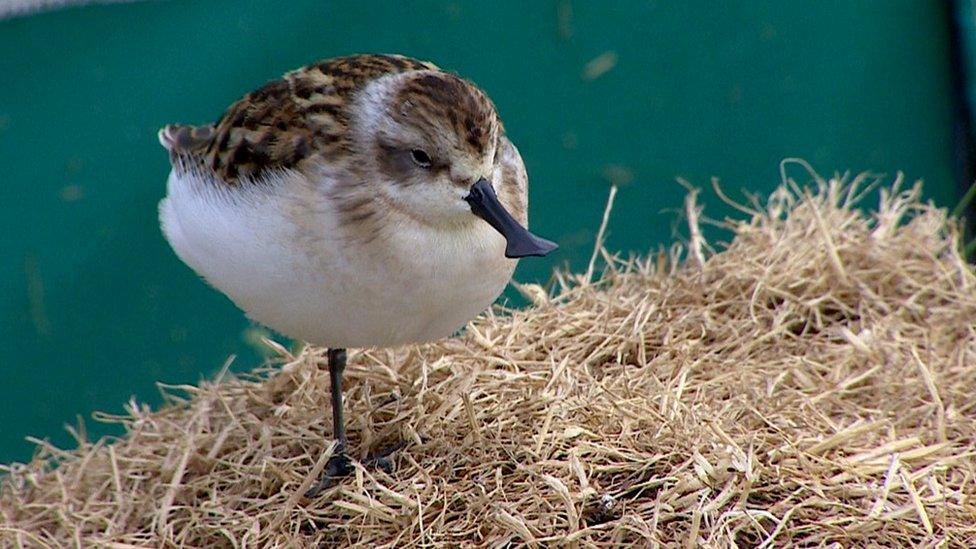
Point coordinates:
[(520, 242)]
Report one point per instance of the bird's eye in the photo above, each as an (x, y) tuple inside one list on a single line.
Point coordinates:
[(420, 158)]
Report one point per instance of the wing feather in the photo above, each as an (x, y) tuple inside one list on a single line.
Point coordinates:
[(284, 123)]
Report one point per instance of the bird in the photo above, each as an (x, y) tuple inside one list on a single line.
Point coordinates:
[(365, 201)]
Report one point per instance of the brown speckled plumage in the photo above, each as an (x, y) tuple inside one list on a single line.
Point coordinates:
[(307, 121), (443, 96), (303, 115)]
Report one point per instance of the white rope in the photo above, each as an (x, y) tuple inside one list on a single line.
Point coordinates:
[(18, 8)]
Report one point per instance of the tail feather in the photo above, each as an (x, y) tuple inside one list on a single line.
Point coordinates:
[(184, 139)]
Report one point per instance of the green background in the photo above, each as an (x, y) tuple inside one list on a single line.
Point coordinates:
[(95, 307)]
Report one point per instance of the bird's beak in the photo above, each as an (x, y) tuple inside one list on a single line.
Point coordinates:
[(521, 242)]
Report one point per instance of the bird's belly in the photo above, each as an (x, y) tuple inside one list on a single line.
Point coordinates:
[(414, 302), (370, 301), (330, 291)]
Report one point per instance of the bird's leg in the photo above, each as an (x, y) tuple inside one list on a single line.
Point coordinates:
[(337, 364), (339, 464)]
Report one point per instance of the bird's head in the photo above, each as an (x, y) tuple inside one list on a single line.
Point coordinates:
[(433, 142)]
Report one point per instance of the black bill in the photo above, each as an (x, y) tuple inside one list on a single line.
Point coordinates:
[(521, 243)]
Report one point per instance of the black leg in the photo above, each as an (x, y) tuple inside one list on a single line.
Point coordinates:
[(339, 464), (337, 364)]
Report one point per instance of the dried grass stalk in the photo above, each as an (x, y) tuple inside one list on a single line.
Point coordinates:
[(813, 383)]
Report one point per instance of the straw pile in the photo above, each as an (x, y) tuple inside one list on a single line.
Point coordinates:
[(811, 383)]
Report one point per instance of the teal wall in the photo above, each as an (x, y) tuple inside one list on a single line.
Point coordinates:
[(95, 307)]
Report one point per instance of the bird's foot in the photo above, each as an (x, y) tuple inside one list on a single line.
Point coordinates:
[(340, 465), (382, 459)]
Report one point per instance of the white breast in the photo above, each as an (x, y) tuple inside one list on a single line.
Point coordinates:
[(279, 254)]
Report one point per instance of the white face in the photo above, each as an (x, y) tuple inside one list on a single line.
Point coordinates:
[(431, 186), (428, 142), (422, 164), (426, 138)]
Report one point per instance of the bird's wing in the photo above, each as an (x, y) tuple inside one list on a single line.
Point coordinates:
[(287, 121), (513, 189)]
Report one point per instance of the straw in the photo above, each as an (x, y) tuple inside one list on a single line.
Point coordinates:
[(812, 383)]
